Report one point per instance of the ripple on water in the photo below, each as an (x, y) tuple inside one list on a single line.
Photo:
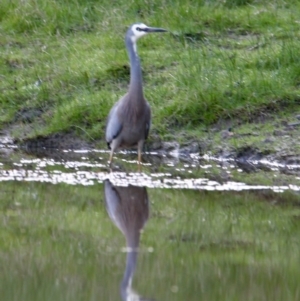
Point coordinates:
[(87, 167)]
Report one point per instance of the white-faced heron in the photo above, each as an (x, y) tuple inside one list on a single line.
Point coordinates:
[(129, 120)]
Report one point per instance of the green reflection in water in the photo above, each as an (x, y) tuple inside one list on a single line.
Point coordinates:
[(58, 243)]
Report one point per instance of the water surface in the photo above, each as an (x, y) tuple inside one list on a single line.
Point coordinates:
[(87, 167), (187, 228)]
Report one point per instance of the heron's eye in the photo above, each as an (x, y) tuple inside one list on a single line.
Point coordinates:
[(138, 29)]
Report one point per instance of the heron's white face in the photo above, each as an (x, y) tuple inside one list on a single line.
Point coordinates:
[(138, 31)]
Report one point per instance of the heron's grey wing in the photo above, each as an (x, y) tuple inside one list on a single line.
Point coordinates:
[(148, 120), (113, 124), (112, 201)]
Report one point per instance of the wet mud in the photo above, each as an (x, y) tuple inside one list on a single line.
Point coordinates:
[(242, 155), (265, 152)]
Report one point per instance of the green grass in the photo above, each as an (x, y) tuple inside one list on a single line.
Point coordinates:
[(222, 60), (60, 244)]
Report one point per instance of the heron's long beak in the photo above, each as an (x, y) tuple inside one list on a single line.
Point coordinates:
[(154, 29)]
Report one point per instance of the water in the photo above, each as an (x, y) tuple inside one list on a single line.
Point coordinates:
[(187, 228), (88, 167)]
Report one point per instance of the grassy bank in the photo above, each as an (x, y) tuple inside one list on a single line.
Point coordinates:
[(60, 244), (64, 64)]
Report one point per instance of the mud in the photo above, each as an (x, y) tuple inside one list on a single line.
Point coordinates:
[(270, 138), (241, 154), (59, 141)]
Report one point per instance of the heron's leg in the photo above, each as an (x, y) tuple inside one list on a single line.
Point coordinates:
[(113, 146), (111, 157), (140, 148), (139, 158)]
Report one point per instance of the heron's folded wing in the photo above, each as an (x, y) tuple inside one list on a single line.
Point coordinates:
[(148, 120), (113, 125)]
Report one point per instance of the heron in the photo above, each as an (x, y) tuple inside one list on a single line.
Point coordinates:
[(128, 208), (129, 120)]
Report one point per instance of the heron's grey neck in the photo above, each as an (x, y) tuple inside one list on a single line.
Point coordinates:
[(136, 80)]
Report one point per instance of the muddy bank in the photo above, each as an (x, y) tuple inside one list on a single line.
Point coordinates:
[(274, 148), (231, 154), (273, 138)]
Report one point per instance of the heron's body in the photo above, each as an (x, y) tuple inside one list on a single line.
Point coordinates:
[(134, 129), (129, 120)]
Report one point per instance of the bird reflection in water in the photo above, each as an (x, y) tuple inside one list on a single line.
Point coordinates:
[(128, 208)]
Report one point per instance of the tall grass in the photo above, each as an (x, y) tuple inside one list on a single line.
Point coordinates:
[(222, 59)]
